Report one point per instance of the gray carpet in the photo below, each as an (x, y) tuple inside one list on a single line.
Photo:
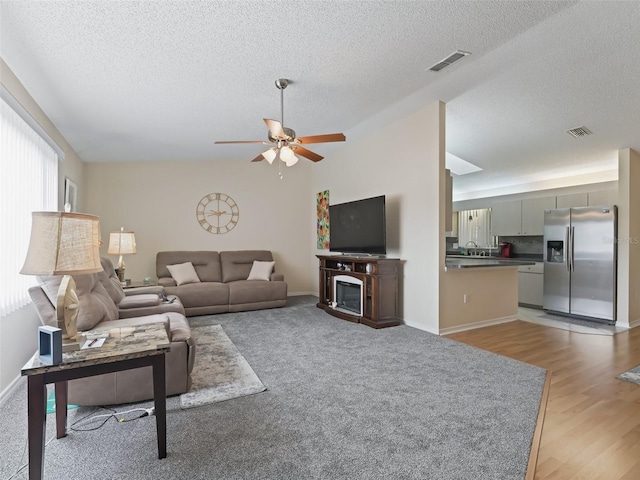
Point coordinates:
[(220, 372), (344, 401)]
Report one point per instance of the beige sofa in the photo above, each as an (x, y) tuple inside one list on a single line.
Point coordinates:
[(223, 284), (103, 304)]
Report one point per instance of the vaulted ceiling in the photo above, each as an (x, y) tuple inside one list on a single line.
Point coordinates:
[(162, 80)]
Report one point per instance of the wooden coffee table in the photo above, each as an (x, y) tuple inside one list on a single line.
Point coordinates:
[(124, 348)]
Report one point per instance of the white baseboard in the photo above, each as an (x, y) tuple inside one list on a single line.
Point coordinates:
[(298, 294), (472, 326), (419, 327), (6, 393), (634, 323)]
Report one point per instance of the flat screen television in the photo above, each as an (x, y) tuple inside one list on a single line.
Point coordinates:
[(358, 227)]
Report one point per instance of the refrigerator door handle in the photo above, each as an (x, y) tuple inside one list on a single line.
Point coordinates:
[(571, 249), (567, 242)]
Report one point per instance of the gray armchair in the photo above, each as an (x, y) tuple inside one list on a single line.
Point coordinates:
[(104, 305)]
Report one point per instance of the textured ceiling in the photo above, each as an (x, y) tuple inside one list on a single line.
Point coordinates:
[(162, 80)]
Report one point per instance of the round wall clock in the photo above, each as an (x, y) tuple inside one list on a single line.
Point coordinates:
[(217, 213)]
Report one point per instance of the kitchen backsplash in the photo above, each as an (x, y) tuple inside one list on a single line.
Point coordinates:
[(525, 245)]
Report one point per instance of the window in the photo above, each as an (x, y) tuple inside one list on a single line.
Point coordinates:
[(474, 227), (28, 182)]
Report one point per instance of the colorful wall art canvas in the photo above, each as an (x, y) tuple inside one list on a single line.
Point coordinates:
[(322, 222)]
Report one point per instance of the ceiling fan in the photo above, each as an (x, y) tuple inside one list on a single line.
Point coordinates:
[(284, 140)]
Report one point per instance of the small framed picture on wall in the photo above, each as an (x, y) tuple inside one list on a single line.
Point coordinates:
[(70, 195)]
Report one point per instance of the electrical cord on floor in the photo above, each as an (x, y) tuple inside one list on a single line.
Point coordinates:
[(91, 418), (78, 425), (25, 465)]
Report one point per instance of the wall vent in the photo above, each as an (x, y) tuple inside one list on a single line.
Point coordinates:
[(454, 57), (579, 132)]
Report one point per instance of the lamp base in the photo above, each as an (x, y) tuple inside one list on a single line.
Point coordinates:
[(67, 314), (70, 345)]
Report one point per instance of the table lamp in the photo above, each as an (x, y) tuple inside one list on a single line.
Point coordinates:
[(121, 243), (64, 243)]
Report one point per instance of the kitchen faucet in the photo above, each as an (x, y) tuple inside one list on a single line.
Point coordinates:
[(475, 245)]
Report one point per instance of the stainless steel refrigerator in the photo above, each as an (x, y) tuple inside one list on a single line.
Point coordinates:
[(580, 262)]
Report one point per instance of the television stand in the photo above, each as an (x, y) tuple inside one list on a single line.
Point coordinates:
[(379, 280)]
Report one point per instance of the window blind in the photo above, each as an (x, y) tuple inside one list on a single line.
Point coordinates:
[(28, 182)]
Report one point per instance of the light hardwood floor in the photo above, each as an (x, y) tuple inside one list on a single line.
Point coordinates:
[(591, 427)]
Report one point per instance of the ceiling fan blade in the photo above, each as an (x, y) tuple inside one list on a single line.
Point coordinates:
[(245, 141), (275, 127), (314, 157), (329, 137), (259, 158)]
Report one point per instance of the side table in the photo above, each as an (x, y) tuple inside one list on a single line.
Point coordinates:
[(124, 348)]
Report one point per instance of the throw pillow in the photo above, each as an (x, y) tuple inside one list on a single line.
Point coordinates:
[(183, 273), (261, 270)]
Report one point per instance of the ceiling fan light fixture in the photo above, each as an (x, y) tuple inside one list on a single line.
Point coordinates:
[(269, 155), (291, 162), (286, 154), (284, 140)]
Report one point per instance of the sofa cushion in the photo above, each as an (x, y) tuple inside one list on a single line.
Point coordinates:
[(206, 263), (261, 270), (201, 294), (249, 291), (183, 273), (236, 265)]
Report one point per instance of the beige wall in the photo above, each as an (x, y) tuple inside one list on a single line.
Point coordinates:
[(18, 337), (629, 238), (405, 162), (158, 202), (492, 297)]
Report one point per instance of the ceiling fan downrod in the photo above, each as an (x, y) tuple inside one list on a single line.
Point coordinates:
[(282, 83)]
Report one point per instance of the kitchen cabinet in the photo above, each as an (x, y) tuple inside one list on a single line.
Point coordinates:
[(533, 214), (589, 199), (602, 197), (531, 285), (448, 202), (506, 218), (454, 224), (520, 217)]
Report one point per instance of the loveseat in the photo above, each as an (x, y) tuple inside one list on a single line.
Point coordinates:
[(223, 281), (103, 305)]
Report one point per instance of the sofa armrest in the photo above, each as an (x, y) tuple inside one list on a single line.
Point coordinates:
[(45, 310), (167, 282), (155, 289), (277, 277), (139, 301)]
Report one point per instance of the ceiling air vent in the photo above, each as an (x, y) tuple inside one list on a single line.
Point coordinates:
[(579, 132), (454, 57)]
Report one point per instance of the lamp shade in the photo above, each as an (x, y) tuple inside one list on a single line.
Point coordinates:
[(122, 243), (63, 243)]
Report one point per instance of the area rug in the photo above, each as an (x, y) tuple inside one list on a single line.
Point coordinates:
[(632, 375), (220, 371)]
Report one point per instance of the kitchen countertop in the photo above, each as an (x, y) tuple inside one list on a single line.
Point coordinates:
[(461, 261)]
